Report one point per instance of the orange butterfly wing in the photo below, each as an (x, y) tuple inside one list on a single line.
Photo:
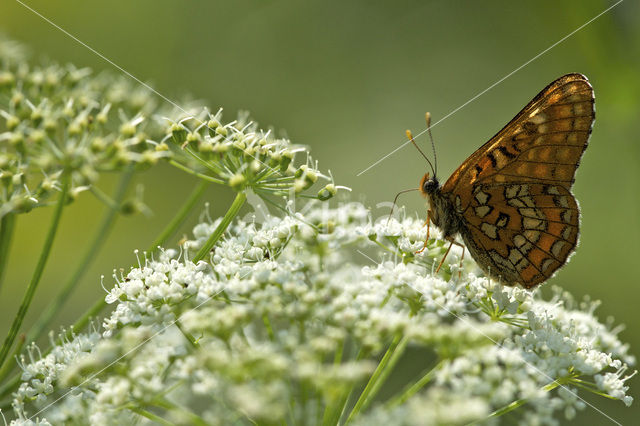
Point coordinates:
[(514, 192)]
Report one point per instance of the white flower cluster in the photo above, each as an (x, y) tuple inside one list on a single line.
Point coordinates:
[(60, 119), (288, 320)]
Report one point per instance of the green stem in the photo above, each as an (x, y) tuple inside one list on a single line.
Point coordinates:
[(226, 221), (105, 199), (334, 407), (6, 369), (90, 254), (149, 415), (179, 218), (7, 225), (9, 386), (37, 274), (411, 390), (267, 325), (174, 163), (388, 361), (192, 340), (170, 406), (520, 402)]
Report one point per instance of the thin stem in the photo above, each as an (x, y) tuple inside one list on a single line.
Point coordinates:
[(6, 369), (192, 172), (333, 408), (379, 376), (149, 415), (192, 340), (267, 325), (37, 274), (226, 221), (90, 254), (105, 199), (179, 218), (411, 390), (170, 406), (520, 402), (7, 226), (9, 386)]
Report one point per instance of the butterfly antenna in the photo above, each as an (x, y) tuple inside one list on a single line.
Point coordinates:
[(410, 136), (427, 117), (396, 199)]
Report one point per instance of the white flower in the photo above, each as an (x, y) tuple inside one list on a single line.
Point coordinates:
[(290, 317)]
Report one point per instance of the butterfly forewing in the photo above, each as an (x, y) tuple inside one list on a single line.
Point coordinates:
[(514, 192)]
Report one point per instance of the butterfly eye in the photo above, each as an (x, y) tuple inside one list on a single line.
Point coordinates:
[(424, 182)]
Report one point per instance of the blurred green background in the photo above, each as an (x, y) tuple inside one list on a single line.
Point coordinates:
[(346, 79)]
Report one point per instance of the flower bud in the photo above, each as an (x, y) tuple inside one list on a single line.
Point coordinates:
[(179, 133), (329, 191), (237, 182)]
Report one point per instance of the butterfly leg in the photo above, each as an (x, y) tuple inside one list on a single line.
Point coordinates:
[(452, 241), (428, 223)]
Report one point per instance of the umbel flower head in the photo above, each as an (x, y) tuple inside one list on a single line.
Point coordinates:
[(306, 319), (61, 123), (240, 155), (58, 121)]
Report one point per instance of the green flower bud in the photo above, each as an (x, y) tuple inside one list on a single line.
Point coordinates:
[(127, 130), (16, 138), (6, 177), (17, 179), (299, 185), (98, 144), (36, 116), (7, 79), (149, 158), (329, 191), (129, 207), (237, 182), (179, 133), (193, 137), (37, 136), (287, 157), (206, 146), (74, 128), (221, 131), (301, 170), (50, 125), (12, 122), (16, 99), (310, 177), (25, 204)]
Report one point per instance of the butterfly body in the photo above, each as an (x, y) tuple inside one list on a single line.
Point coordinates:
[(442, 212), (511, 200)]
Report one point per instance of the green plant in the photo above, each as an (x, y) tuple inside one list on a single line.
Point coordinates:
[(301, 318)]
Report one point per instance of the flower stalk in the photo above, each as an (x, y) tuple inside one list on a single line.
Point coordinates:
[(37, 273), (7, 226), (234, 209)]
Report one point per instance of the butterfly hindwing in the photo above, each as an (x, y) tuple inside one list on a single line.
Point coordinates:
[(521, 233)]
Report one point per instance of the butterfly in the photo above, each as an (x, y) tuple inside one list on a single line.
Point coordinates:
[(511, 200)]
